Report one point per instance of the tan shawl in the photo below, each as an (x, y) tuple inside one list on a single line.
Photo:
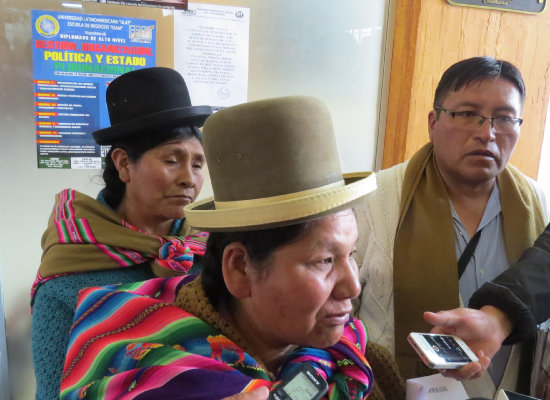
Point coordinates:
[(85, 235), (425, 263)]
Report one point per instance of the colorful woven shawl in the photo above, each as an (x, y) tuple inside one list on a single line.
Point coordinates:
[(132, 342), (84, 235)]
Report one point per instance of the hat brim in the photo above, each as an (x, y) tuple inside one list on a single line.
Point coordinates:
[(263, 213), (169, 119)]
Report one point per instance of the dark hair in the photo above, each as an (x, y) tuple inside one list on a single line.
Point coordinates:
[(135, 148), (260, 245), (476, 69)]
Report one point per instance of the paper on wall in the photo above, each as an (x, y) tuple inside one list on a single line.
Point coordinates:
[(211, 53)]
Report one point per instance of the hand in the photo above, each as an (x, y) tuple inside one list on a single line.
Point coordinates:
[(260, 393), (483, 331)]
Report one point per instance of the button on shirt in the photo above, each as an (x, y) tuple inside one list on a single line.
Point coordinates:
[(487, 262)]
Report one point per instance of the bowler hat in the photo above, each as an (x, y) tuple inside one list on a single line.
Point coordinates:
[(147, 100), (272, 163)]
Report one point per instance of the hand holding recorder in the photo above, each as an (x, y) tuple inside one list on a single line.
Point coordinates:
[(304, 383), (483, 330)]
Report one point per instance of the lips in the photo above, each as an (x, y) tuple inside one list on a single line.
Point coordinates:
[(183, 197), (483, 153), (338, 318)]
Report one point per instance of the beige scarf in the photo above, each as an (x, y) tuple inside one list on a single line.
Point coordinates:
[(425, 264), (84, 235)]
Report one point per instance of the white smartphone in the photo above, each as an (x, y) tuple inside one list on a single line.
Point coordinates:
[(441, 351)]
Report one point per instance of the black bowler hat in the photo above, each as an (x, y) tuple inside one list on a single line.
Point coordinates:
[(146, 101)]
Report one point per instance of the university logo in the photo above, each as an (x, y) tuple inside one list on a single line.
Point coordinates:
[(47, 26), (141, 34)]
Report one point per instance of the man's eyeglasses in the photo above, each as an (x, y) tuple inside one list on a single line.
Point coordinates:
[(471, 120)]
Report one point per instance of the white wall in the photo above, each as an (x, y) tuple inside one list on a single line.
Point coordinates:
[(332, 50)]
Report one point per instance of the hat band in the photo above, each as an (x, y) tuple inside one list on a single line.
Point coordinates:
[(296, 207), (224, 205)]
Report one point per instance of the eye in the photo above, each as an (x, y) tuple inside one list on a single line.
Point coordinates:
[(171, 161), (325, 262), (505, 119), (465, 114), (197, 166)]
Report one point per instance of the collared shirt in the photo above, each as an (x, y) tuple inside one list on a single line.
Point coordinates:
[(489, 258), (487, 262)]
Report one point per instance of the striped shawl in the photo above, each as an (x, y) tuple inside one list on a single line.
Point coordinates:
[(132, 342)]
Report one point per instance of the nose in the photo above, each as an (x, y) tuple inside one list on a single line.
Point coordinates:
[(187, 177), (348, 285), (485, 132)]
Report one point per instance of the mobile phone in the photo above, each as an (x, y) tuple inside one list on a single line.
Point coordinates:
[(304, 383), (507, 395), (441, 351)]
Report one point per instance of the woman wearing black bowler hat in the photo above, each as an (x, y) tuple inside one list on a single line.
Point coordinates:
[(135, 229)]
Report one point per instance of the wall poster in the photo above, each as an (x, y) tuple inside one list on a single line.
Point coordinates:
[(75, 57)]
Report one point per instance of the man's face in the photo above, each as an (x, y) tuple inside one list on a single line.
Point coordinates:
[(474, 156)]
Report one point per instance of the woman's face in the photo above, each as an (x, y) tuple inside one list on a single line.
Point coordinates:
[(165, 179), (303, 296)]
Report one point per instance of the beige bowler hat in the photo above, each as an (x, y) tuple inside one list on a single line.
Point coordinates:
[(272, 163)]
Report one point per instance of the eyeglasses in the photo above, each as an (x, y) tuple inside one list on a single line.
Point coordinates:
[(471, 120)]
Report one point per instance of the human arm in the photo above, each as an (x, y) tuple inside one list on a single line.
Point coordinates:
[(51, 321), (522, 291), (509, 307)]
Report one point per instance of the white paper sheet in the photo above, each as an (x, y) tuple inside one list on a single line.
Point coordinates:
[(435, 387), (211, 53)]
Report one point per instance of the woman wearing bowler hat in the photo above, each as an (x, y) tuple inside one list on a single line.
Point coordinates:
[(276, 288), (136, 228)]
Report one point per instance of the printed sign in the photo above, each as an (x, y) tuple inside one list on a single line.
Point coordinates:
[(211, 53), (75, 57)]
